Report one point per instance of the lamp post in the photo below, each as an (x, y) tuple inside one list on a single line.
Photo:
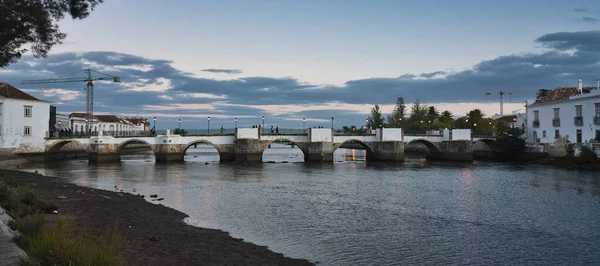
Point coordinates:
[(263, 127), (332, 123), (179, 125), (155, 133), (235, 119), (208, 129), (59, 129), (121, 127), (366, 124), (303, 123), (598, 80), (86, 127)]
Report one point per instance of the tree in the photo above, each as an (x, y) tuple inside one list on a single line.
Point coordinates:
[(432, 114), (178, 131), (376, 118), (397, 117), (446, 117), (542, 93), (34, 23), (475, 116)]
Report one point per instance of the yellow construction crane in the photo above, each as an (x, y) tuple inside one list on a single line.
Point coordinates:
[(502, 93), (88, 79)]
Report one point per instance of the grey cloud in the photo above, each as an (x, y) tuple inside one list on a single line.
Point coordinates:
[(518, 73), (579, 40), (589, 20), (225, 71), (580, 10)]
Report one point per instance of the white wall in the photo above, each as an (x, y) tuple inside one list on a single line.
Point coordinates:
[(246, 133), (567, 115), (320, 134), (461, 134), (391, 134), (13, 123)]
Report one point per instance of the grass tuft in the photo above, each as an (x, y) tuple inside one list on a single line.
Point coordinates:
[(54, 243)]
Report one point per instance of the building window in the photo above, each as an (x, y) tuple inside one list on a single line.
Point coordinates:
[(556, 113), (556, 134), (28, 111), (578, 112), (27, 131), (597, 105), (536, 115), (544, 134), (0, 108)]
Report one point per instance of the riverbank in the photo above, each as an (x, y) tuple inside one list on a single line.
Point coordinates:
[(153, 234)]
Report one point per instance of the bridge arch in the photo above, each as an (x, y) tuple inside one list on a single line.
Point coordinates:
[(428, 144), (56, 146), (370, 150), (122, 145), (219, 149), (283, 140)]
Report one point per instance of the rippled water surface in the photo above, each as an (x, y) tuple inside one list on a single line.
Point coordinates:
[(353, 212)]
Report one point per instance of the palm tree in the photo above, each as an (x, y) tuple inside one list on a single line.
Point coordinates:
[(542, 93)]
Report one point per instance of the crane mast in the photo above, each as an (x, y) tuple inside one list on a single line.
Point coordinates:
[(502, 93), (89, 89)]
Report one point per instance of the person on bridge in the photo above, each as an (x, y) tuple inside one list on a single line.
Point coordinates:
[(277, 130), (271, 130), (222, 129)]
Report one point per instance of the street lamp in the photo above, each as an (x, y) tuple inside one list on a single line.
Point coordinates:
[(303, 123), (155, 126), (263, 127), (598, 80), (121, 127), (235, 119), (208, 129), (86, 126), (332, 122), (179, 120)]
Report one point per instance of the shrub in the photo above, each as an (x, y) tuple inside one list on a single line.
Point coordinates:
[(586, 156)]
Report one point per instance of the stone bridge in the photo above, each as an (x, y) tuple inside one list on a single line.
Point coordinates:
[(247, 145)]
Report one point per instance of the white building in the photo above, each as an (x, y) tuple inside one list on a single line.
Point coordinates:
[(108, 124), (571, 112), (24, 119)]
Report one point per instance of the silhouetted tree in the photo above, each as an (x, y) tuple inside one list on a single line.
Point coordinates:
[(397, 117), (542, 93), (34, 23), (376, 118)]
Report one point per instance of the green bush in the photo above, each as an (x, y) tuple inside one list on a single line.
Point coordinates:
[(586, 156)]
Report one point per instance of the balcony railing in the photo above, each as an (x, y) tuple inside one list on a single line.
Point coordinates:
[(556, 122), (597, 120), (536, 123), (579, 121)]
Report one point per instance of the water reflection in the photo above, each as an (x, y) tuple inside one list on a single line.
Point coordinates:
[(357, 212)]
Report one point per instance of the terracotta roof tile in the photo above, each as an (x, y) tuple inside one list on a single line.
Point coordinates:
[(8, 91), (563, 93)]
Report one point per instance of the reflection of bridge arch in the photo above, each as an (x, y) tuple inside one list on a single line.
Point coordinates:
[(430, 146), (370, 150), (59, 144), (300, 145)]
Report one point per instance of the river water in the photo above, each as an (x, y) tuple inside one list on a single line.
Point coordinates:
[(353, 212)]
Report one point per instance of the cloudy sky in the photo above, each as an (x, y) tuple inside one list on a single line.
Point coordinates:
[(289, 60)]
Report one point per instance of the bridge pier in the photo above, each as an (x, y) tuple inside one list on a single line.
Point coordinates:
[(456, 150), (387, 151), (319, 152), (103, 152), (248, 150)]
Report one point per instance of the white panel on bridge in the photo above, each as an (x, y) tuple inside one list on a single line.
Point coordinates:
[(391, 134), (446, 135), (461, 134), (246, 133), (320, 134), (430, 138)]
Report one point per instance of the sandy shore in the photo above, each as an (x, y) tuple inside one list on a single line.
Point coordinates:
[(154, 234)]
